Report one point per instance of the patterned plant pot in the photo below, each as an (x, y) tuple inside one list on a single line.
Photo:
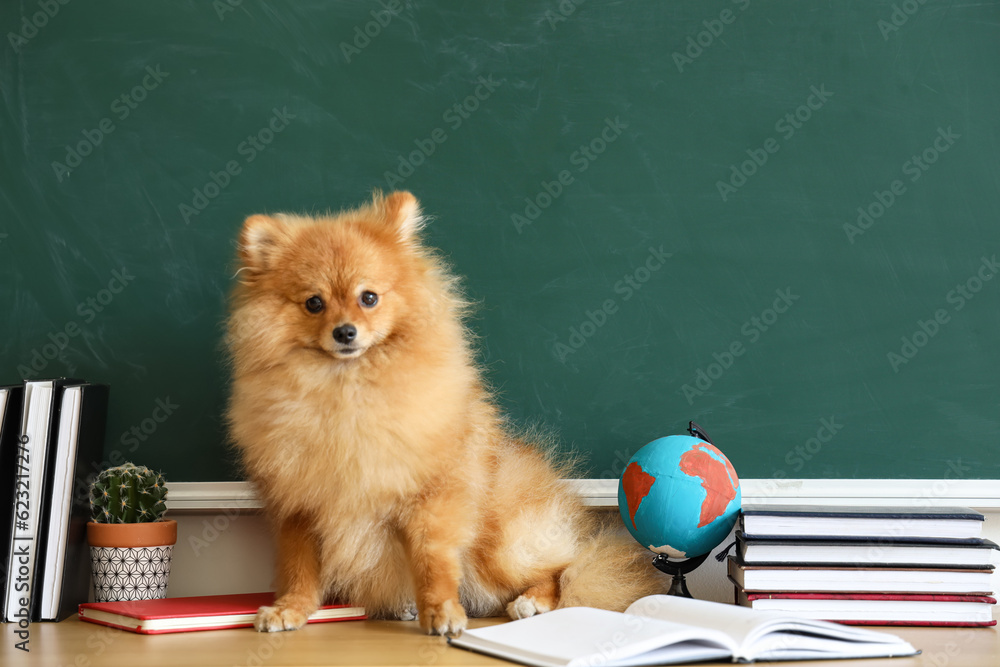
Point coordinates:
[(131, 561)]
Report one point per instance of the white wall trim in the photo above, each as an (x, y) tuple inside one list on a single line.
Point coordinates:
[(975, 493), (209, 496)]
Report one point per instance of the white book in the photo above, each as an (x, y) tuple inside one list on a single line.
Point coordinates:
[(61, 493), (668, 630), (870, 522), (941, 553), (876, 579)]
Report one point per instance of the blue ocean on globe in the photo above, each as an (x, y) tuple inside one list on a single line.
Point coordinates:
[(679, 496)]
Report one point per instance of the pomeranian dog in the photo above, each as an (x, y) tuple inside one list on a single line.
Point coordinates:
[(361, 417)]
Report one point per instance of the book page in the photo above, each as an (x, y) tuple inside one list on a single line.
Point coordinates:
[(795, 646), (747, 627), (62, 498), (580, 635), (737, 622)]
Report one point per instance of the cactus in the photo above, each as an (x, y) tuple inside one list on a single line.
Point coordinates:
[(128, 494)]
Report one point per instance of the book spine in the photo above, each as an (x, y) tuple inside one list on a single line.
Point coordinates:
[(22, 554), (73, 581), (10, 425), (38, 415)]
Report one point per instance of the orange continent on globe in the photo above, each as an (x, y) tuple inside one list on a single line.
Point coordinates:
[(718, 478), (636, 482)]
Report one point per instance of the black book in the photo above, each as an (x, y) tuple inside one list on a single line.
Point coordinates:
[(62, 575), (880, 551), (11, 400), (802, 521), (39, 416)]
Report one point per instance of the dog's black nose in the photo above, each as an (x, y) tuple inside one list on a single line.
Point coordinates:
[(345, 333)]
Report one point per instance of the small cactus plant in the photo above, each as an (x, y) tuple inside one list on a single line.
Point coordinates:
[(128, 494)]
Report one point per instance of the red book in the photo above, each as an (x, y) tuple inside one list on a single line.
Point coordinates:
[(205, 612), (878, 608)]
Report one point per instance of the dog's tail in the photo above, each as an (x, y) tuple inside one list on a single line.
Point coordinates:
[(611, 572)]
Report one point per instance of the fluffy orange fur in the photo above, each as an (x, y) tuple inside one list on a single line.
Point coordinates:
[(391, 479)]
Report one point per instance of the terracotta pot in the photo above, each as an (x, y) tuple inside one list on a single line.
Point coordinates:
[(132, 535), (131, 561)]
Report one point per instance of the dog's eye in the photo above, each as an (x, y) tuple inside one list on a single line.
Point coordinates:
[(314, 304), (369, 299)]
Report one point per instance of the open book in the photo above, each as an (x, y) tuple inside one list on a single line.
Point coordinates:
[(667, 630)]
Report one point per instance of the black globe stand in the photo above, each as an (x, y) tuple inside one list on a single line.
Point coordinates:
[(677, 570)]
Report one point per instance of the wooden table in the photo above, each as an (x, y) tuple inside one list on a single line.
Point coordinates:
[(78, 644)]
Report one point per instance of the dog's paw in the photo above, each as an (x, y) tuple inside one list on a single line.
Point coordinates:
[(276, 619), (525, 606), (408, 613), (447, 618)]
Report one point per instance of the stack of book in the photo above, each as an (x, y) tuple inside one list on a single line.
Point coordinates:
[(51, 432), (866, 566)]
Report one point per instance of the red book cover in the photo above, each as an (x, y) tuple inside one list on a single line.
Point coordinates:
[(746, 599), (206, 612)]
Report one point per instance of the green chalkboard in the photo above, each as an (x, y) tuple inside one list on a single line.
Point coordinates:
[(779, 219)]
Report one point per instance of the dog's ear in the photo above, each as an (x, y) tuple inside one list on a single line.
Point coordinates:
[(402, 213), (261, 237)]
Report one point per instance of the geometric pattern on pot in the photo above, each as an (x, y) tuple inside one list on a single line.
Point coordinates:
[(138, 573)]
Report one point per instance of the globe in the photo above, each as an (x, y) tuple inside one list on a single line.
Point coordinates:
[(679, 496)]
